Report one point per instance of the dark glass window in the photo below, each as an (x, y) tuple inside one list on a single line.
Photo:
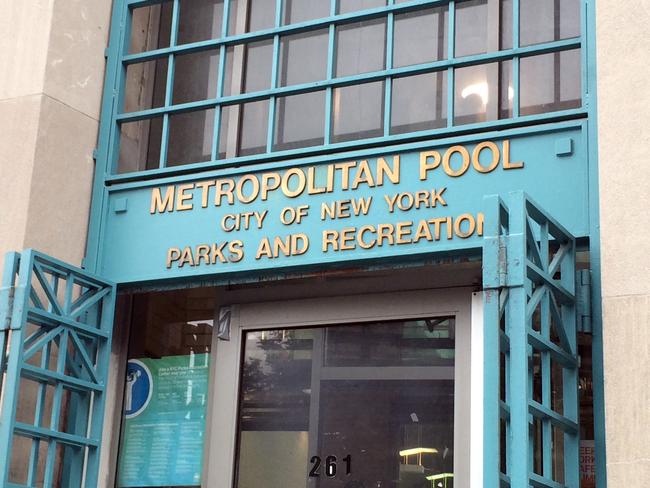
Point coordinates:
[(358, 112), (303, 58), (378, 397), (199, 20), (300, 121), (549, 20), (551, 82), (166, 389), (320, 53), (190, 137), (419, 102), (420, 37), (360, 47), (195, 76)]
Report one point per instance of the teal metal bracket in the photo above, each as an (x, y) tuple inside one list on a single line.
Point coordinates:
[(56, 323)]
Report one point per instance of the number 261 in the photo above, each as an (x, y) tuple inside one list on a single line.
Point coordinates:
[(330, 466)]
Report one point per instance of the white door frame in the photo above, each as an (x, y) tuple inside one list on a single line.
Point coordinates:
[(221, 424)]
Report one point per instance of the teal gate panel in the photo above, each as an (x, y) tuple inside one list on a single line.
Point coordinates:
[(531, 436), (55, 337)]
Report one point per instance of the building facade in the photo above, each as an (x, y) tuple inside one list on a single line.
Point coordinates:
[(357, 243)]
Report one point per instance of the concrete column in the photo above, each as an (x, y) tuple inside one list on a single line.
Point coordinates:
[(52, 58), (623, 45), (51, 80)]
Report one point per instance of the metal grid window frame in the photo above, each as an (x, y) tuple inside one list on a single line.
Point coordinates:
[(448, 65)]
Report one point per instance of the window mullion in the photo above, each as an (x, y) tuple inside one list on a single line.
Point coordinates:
[(216, 135), (388, 83), (274, 78), (515, 60), (169, 87), (451, 38), (331, 59)]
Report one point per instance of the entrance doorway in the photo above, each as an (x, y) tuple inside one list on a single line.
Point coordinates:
[(367, 391)]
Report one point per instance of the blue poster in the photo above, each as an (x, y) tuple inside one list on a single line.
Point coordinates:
[(164, 421)]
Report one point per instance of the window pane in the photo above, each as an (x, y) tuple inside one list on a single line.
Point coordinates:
[(301, 10), (251, 16), (419, 103), (303, 58), (259, 61), (477, 93), (358, 112), (300, 121), (420, 37), (550, 82), (195, 76), (549, 20), (360, 47), (254, 120), (199, 20), (471, 27), (145, 85), (477, 26), (139, 145), (166, 391), (346, 6), (506, 24), (150, 27), (190, 137), (506, 90), (397, 431)]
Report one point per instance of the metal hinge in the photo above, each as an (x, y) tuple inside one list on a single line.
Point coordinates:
[(223, 323), (583, 300)]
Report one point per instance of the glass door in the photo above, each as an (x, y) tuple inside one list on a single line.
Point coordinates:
[(346, 393)]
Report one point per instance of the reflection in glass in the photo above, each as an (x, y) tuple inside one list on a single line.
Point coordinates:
[(300, 121), (471, 27), (254, 121), (419, 103), (303, 57), (482, 93), (360, 47), (257, 70), (506, 25), (195, 76), (420, 37), (190, 137), (243, 129), (199, 20), (140, 145), (548, 20), (302, 10), (145, 85), (346, 6), (358, 112), (550, 82), (166, 389), (250, 16), (380, 393), (150, 27)]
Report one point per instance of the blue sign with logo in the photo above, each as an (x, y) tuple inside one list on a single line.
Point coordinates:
[(139, 386)]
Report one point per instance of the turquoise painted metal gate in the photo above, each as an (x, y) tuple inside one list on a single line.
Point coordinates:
[(531, 435), (55, 336)]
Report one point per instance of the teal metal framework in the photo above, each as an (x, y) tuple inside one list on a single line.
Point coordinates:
[(55, 337), (513, 286), (529, 329), (119, 53)]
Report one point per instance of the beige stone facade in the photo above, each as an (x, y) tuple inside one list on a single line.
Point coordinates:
[(52, 58), (623, 136)]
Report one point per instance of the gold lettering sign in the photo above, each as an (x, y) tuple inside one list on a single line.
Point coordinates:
[(255, 201)]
